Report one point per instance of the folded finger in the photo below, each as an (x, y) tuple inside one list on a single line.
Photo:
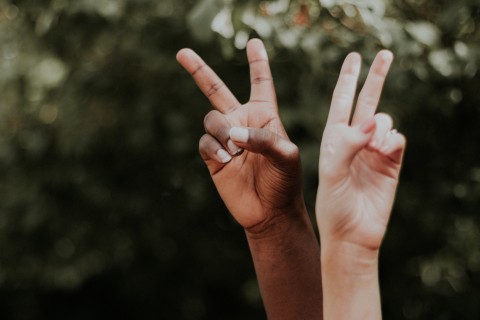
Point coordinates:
[(384, 124), (208, 81), (345, 89), (211, 149), (217, 125), (393, 146)]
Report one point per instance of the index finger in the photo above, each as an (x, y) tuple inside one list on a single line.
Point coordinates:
[(207, 80), (345, 89)]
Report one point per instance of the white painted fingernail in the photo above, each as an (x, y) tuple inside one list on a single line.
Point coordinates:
[(234, 149), (224, 156), (239, 134)]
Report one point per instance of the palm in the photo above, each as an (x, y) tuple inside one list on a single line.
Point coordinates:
[(371, 192)]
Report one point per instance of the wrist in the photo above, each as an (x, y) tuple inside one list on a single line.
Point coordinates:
[(286, 258), (350, 281), (278, 221), (284, 232), (349, 258)]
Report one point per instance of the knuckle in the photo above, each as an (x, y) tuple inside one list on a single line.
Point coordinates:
[(203, 143), (292, 152), (217, 126), (209, 117), (342, 95), (261, 79), (214, 87), (366, 99)]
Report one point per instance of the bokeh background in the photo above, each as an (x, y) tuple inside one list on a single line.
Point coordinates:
[(106, 210)]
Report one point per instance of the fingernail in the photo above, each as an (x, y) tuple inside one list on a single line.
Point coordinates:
[(239, 134), (224, 156), (384, 148), (234, 149), (368, 126), (373, 144)]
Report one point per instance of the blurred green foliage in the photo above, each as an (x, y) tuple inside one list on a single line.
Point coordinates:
[(107, 211)]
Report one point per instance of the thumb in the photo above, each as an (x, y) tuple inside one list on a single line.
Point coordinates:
[(265, 142)]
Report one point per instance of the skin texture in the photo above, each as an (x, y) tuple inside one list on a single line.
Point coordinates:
[(359, 167), (257, 172)]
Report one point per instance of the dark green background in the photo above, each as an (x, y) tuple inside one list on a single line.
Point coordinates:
[(106, 210)]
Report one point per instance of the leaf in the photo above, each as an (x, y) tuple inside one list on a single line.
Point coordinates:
[(200, 18), (424, 32), (222, 23)]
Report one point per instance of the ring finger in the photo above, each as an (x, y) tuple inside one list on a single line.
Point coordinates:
[(217, 125)]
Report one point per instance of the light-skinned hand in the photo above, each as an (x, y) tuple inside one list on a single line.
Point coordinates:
[(360, 160)]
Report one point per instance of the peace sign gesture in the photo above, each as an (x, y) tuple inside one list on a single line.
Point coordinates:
[(359, 168), (256, 170), (253, 164), (359, 161)]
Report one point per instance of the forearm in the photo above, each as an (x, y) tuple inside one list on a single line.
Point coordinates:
[(287, 263), (350, 285)]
